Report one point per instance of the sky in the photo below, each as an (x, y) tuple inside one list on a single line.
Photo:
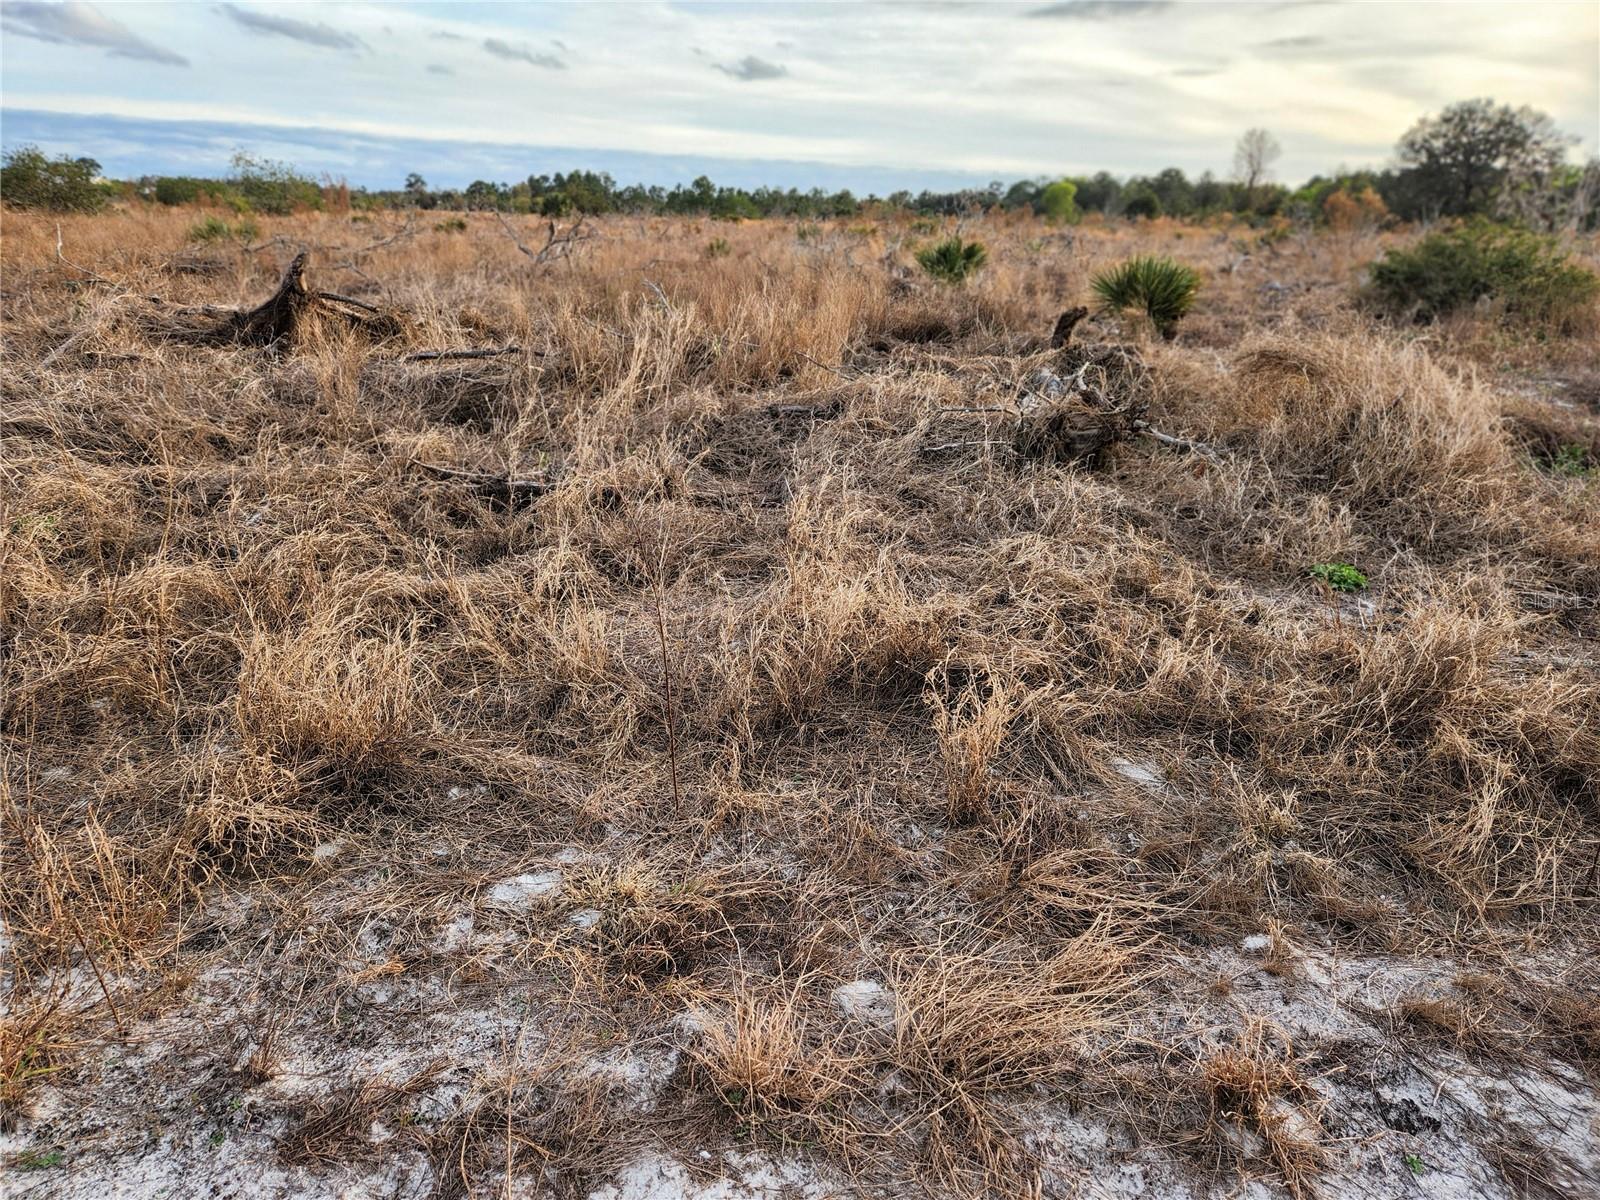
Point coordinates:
[(871, 94)]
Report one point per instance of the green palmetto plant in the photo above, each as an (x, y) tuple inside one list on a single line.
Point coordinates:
[(952, 260), (1164, 290)]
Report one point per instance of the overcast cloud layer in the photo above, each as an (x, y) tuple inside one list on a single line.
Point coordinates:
[(947, 90)]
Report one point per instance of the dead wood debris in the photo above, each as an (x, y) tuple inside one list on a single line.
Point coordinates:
[(502, 488), (1076, 414), (293, 313), (1095, 396), (1065, 324), (490, 352), (558, 243), (284, 315)]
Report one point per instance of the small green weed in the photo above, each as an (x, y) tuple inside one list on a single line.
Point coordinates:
[(1341, 577), (38, 1160), (1415, 1164), (1572, 459), (718, 248)]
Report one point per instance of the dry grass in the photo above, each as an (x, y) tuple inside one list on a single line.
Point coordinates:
[(813, 676)]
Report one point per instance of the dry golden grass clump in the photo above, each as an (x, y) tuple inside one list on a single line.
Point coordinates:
[(775, 704)]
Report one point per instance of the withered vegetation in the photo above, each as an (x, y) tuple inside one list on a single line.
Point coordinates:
[(437, 704)]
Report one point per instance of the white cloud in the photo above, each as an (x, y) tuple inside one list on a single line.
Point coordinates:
[(750, 68), (312, 33), (521, 53), (74, 24), (980, 88)]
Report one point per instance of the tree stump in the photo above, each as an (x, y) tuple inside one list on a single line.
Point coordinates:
[(294, 313)]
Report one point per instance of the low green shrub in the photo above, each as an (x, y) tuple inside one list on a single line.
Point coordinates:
[(952, 260), (30, 179), (215, 229), (1162, 289), (173, 190), (718, 248), (273, 187), (1527, 274), (212, 229)]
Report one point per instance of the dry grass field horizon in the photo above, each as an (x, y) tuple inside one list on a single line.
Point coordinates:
[(721, 738)]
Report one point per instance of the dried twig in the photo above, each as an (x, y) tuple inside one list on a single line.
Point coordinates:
[(592, 323), (501, 487), (491, 352), (69, 344), (963, 445), (666, 304), (824, 366), (658, 590), (1177, 443), (276, 240), (90, 275)]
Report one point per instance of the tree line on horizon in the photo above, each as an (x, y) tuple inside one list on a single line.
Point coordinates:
[(1473, 158)]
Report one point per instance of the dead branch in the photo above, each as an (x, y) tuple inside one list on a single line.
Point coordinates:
[(338, 299), (404, 233), (496, 487), (67, 346), (558, 243), (1144, 429), (491, 352), (944, 446), (84, 271), (275, 240), (835, 370), (666, 305)]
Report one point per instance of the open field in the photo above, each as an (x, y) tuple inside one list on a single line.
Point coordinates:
[(808, 781)]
